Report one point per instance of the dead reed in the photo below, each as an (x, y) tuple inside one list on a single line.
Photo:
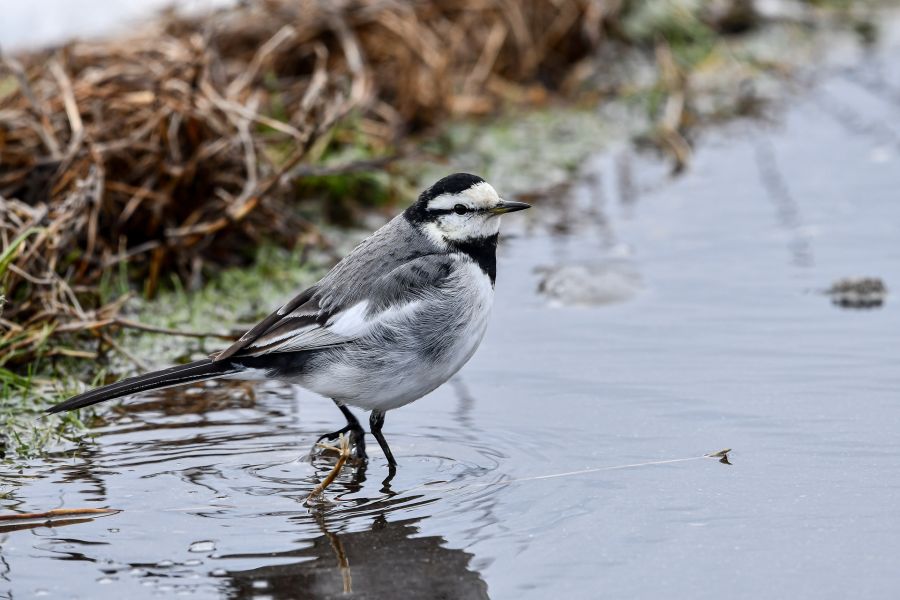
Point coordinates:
[(178, 146)]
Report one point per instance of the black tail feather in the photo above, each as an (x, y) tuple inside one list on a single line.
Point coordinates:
[(195, 371)]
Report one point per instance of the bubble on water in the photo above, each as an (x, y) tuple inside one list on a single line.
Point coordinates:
[(202, 546), (218, 572), (193, 562), (165, 564), (260, 584), (105, 580)]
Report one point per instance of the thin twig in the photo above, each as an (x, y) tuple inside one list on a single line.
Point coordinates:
[(75, 123), (721, 456), (166, 331), (344, 454), (140, 364), (53, 518), (283, 35), (58, 512)]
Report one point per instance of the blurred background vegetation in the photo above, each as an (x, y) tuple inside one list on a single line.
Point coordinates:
[(168, 160)]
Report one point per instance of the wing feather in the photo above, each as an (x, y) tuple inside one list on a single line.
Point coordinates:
[(267, 324), (303, 324)]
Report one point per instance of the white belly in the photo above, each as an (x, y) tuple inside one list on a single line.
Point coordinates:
[(416, 354)]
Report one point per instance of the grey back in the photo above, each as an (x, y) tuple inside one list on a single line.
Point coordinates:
[(365, 273)]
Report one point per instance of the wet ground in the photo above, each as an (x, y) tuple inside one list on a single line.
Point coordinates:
[(703, 327)]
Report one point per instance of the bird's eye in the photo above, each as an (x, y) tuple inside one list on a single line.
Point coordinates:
[(460, 209)]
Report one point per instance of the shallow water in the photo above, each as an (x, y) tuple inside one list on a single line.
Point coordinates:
[(723, 340)]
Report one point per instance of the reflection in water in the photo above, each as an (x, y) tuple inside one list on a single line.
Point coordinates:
[(786, 207), (387, 560), (226, 476), (4, 565), (463, 413)]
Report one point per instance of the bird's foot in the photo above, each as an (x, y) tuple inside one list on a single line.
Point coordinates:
[(333, 435), (357, 442)]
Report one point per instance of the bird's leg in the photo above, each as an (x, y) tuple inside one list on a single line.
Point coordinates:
[(376, 422), (357, 435)]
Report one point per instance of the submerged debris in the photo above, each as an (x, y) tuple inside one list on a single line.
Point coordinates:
[(589, 284), (722, 455), (858, 292), (317, 495), (52, 518)]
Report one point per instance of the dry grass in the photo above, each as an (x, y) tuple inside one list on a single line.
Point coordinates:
[(178, 146)]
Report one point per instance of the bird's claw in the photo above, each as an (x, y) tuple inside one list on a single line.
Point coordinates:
[(332, 435), (357, 443)]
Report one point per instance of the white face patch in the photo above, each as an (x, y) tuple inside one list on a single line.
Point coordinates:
[(480, 196), (472, 224)]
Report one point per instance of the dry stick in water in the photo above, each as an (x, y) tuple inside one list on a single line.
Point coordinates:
[(721, 455), (56, 517), (344, 454), (58, 512)]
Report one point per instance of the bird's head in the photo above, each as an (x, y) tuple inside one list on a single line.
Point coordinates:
[(459, 208)]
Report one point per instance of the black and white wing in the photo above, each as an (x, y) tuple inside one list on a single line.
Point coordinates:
[(321, 318)]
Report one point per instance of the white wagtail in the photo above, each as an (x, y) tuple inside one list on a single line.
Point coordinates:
[(388, 324)]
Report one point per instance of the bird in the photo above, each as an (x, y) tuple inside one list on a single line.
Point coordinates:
[(389, 323)]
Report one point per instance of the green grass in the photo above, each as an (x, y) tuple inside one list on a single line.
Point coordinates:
[(6, 258), (25, 431), (232, 294), (237, 295)]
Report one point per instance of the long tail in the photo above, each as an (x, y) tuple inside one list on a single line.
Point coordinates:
[(195, 371)]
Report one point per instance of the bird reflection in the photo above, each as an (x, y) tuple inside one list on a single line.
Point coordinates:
[(365, 540), (390, 559)]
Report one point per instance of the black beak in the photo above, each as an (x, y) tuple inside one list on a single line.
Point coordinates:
[(506, 206)]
